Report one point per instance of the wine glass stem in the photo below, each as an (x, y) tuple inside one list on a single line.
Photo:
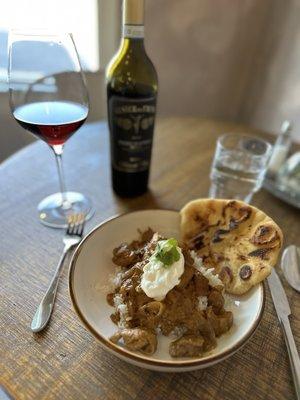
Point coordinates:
[(58, 151)]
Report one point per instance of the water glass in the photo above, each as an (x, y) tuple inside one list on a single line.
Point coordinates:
[(239, 166)]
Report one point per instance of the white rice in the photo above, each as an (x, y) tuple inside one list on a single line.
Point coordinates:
[(177, 332), (121, 307), (114, 281), (209, 274), (202, 303)]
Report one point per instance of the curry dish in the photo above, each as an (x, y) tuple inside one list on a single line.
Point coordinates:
[(192, 312)]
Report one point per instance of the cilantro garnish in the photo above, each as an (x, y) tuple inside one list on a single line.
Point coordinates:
[(166, 251)]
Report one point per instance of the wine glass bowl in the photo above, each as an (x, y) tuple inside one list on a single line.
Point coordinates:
[(48, 98)]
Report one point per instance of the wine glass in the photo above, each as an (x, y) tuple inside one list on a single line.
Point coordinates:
[(48, 97)]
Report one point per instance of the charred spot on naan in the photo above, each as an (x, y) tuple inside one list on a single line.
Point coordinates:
[(218, 235), (245, 272), (234, 214), (196, 242), (226, 275), (201, 222), (260, 253), (265, 234)]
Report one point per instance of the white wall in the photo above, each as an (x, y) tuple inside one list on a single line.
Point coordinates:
[(273, 92), (228, 59)]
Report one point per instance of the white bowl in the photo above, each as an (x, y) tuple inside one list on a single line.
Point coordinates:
[(91, 266)]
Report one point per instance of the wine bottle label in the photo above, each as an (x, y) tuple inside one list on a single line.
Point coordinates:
[(131, 127), (133, 31)]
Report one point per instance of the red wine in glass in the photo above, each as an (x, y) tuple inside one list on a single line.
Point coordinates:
[(52, 121)]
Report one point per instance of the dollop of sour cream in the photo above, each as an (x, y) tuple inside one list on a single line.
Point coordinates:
[(158, 279)]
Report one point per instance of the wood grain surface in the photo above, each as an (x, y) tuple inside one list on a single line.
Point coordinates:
[(65, 361)]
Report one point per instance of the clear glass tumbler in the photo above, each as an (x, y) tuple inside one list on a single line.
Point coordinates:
[(239, 166)]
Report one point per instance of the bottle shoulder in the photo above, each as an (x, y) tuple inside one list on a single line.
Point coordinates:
[(131, 67), (123, 63)]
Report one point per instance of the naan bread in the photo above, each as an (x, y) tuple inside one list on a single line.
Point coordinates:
[(241, 242)]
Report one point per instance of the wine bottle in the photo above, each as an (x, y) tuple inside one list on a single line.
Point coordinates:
[(131, 101)]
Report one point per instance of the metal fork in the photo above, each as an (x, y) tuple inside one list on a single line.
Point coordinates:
[(72, 237)]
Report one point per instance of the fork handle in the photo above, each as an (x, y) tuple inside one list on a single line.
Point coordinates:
[(293, 354), (44, 310)]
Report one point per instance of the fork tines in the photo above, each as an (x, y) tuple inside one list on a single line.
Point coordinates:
[(76, 224)]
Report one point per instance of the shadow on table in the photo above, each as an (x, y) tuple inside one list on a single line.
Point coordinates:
[(147, 201)]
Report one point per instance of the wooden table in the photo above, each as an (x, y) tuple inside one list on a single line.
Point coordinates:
[(65, 361)]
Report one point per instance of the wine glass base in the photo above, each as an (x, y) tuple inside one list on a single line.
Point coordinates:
[(51, 212)]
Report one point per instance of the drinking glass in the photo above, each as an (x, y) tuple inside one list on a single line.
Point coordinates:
[(239, 167), (48, 97)]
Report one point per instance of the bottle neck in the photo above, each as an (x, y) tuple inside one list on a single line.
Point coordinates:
[(133, 20)]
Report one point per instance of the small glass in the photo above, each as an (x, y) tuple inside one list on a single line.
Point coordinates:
[(48, 98), (239, 167)]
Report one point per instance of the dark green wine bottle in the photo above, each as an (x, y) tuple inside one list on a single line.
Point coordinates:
[(131, 102)]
